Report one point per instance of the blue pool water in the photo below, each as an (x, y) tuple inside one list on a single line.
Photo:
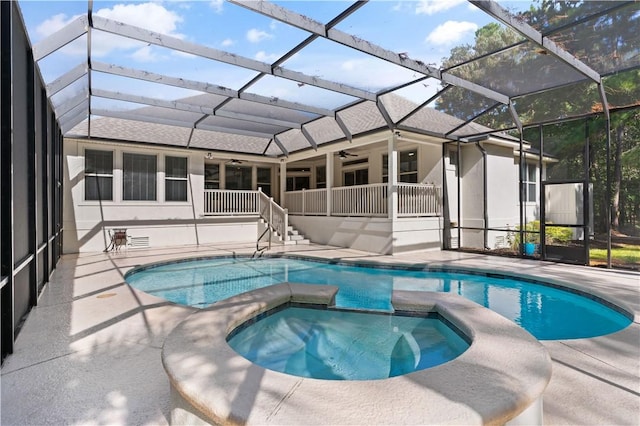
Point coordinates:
[(547, 313), (339, 345)]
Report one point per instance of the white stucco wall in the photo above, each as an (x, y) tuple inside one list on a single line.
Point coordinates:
[(378, 235), (471, 195), (86, 223)]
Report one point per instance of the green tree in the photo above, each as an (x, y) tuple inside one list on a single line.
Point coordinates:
[(606, 43)]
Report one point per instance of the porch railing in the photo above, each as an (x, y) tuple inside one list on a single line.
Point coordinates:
[(307, 201), (367, 200), (219, 202), (275, 216), (223, 202), (360, 200), (416, 199)]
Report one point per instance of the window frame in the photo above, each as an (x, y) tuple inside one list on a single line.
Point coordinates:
[(262, 184), (206, 181), (88, 174), (321, 177), (530, 184), (154, 174), (184, 179), (401, 175)]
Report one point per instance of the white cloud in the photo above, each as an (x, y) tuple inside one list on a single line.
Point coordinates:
[(266, 57), (430, 7), (227, 42), (145, 54), (351, 64), (53, 24), (216, 5), (256, 36), (451, 32), (151, 16)]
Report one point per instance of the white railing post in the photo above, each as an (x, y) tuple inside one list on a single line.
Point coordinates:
[(392, 155), (285, 232), (304, 196)]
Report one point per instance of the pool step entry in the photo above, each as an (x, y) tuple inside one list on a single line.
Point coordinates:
[(293, 236)]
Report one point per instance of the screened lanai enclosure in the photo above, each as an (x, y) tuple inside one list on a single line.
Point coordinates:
[(523, 140)]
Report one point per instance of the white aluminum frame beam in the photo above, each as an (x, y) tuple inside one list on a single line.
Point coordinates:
[(71, 103), (162, 79), (222, 129), (205, 88), (309, 138), (80, 110), (305, 23), (257, 119), (495, 10), (145, 100), (343, 126), (75, 29), (132, 115), (277, 141), (73, 122), (163, 40), (68, 78)]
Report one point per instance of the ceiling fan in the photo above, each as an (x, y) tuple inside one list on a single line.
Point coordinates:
[(234, 162), (344, 155)]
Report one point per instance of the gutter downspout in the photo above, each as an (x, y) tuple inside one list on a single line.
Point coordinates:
[(485, 209)]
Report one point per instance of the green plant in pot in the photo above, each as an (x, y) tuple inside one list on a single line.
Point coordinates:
[(531, 238)]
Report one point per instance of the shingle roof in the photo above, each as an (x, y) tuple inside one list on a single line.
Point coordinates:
[(360, 118)]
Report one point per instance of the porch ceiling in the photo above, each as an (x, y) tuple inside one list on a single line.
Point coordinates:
[(240, 101)]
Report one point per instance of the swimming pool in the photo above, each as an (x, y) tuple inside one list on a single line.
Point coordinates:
[(547, 312)]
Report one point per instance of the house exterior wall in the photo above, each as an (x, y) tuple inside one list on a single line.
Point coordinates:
[(378, 235), (472, 196), (87, 223), (502, 187)]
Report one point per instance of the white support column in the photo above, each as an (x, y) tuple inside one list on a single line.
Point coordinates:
[(392, 165), (283, 181), (223, 175), (254, 177), (329, 179)]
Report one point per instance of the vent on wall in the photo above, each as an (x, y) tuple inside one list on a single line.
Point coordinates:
[(138, 242), (453, 243)]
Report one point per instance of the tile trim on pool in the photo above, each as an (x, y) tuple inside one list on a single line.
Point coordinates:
[(500, 379), (617, 305)]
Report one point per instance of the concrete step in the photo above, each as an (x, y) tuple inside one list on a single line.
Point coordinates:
[(304, 242), (296, 237)]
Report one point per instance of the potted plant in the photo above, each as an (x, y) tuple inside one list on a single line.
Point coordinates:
[(530, 243), (531, 238)]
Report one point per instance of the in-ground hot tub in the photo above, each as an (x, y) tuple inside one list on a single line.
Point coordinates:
[(499, 379)]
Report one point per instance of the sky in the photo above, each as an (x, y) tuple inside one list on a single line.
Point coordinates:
[(424, 30)]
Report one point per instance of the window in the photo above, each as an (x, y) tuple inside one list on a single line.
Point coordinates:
[(407, 170), (211, 176), (356, 177), (296, 183), (98, 175), (175, 179), (321, 176), (238, 177), (264, 180), (530, 182), (139, 177)]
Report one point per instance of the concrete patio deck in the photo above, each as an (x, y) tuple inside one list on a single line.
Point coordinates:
[(89, 353)]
